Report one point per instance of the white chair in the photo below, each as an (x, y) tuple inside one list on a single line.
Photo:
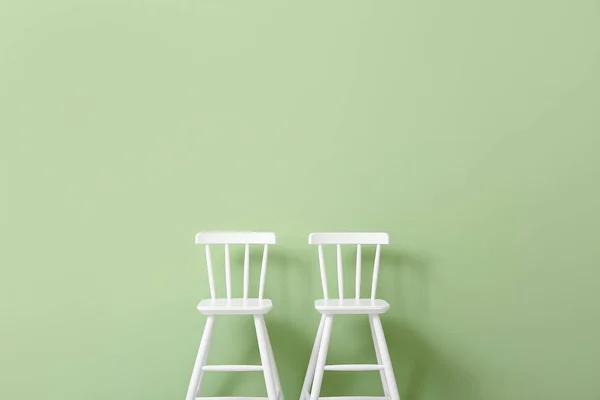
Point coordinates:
[(257, 307), (329, 307)]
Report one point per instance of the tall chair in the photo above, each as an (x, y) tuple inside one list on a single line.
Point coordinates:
[(331, 306), (257, 307)]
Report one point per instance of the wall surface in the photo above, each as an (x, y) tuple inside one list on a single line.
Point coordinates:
[(469, 130)]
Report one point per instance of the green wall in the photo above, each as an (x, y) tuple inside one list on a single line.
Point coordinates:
[(469, 130)]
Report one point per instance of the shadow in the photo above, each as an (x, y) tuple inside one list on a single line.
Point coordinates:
[(291, 280), (292, 346), (403, 278), (422, 371), (404, 281), (423, 368), (244, 339), (291, 349)]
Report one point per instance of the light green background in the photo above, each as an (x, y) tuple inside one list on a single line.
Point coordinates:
[(469, 130)]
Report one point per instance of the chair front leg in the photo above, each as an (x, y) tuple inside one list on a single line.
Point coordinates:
[(378, 355), (273, 363), (263, 348), (196, 380), (312, 363), (321, 358), (385, 358)]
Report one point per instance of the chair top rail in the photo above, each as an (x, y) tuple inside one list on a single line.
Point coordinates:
[(348, 238), (235, 238)]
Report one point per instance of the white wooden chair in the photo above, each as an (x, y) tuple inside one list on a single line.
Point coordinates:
[(329, 307), (257, 307)]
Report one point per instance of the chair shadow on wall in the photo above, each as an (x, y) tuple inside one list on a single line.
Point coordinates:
[(421, 370), (420, 367)]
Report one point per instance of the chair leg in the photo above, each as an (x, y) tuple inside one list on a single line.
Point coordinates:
[(321, 358), (385, 358), (196, 379), (378, 354), (263, 348), (312, 363), (273, 364)]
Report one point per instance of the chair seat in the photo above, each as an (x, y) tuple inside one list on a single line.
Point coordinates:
[(351, 306), (234, 306)]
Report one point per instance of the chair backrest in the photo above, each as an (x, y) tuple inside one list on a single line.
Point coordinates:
[(233, 238), (345, 238)]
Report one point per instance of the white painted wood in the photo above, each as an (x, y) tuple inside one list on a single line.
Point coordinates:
[(246, 269), (201, 357), (328, 307), (273, 363), (263, 271), (392, 388), (235, 306), (227, 272), (321, 358), (235, 238), (378, 355), (354, 367), (340, 272), (312, 363), (323, 272), (263, 348), (232, 368), (375, 271), (209, 267), (359, 239), (349, 238), (358, 271), (351, 306)]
